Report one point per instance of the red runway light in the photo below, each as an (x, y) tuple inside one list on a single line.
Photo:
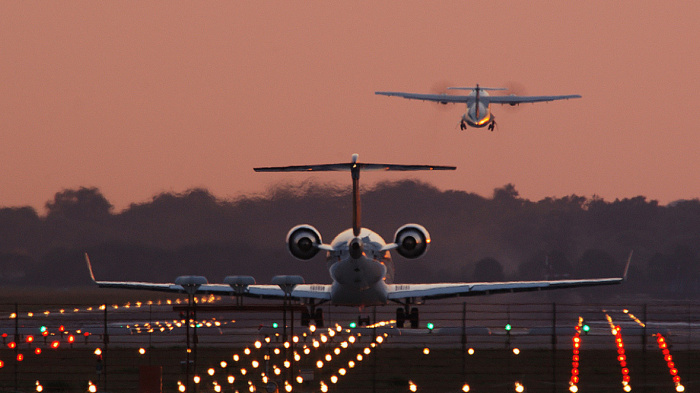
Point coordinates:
[(11, 345), (20, 357), (55, 344), (37, 351)]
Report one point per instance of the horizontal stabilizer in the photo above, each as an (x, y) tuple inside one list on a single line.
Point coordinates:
[(477, 87), (348, 166)]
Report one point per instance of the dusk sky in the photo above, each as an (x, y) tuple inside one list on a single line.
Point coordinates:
[(137, 98)]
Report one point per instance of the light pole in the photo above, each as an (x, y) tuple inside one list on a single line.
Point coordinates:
[(190, 285)]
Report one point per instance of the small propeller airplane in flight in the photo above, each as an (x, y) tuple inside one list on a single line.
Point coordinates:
[(359, 263), (478, 113)]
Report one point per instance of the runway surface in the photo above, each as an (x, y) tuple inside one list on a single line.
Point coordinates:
[(549, 347)]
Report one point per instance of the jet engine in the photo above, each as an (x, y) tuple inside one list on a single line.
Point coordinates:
[(303, 241), (412, 241)]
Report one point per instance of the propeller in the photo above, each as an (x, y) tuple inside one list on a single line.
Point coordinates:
[(515, 88), (440, 87)]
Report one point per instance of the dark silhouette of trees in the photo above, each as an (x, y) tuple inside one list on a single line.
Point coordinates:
[(473, 237), (84, 204), (488, 269)]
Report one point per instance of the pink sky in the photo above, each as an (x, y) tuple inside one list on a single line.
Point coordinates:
[(137, 98)]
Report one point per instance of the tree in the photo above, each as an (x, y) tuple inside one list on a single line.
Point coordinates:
[(84, 204), (488, 269), (596, 263)]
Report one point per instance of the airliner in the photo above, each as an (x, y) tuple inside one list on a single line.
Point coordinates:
[(359, 262), (478, 113)]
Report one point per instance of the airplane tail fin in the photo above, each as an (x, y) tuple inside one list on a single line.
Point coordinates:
[(354, 168)]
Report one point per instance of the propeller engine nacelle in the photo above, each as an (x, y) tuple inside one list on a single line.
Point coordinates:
[(412, 240), (303, 241)]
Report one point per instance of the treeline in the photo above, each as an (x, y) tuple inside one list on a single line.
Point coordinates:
[(474, 238)]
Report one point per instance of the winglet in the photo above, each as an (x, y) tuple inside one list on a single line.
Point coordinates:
[(92, 275), (627, 266)]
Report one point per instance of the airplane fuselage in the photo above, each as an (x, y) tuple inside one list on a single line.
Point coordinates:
[(359, 277), (478, 113)]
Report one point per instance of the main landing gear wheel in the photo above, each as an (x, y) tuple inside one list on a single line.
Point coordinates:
[(308, 316), (492, 125), (402, 315), (318, 317), (414, 318)]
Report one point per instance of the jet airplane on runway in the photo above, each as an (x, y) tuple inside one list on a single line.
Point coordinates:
[(359, 263), (478, 113)]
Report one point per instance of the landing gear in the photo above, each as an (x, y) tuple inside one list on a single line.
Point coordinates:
[(403, 315), (463, 125), (312, 313), (414, 318), (318, 317), (315, 314), (363, 321), (492, 124), (400, 317)]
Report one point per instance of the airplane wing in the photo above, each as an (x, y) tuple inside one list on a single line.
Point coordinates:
[(514, 100), (444, 98), (300, 292), (441, 291), (441, 98)]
